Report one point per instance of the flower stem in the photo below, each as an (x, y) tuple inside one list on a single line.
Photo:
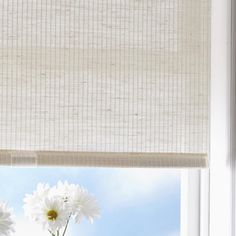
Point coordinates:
[(51, 233), (66, 226)]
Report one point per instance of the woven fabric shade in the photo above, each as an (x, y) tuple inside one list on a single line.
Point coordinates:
[(104, 82)]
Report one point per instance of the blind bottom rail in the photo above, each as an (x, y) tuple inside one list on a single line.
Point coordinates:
[(102, 159)]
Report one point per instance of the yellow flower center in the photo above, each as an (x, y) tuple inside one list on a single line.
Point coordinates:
[(52, 215)]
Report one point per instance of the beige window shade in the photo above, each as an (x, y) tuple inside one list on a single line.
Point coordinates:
[(104, 82)]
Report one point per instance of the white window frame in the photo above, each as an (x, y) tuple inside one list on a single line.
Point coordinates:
[(220, 173), (208, 197), (194, 203), (233, 117)]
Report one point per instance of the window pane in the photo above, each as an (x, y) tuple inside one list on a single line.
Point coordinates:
[(140, 202)]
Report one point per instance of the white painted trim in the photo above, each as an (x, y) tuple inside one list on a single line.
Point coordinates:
[(233, 113), (194, 202), (190, 203), (204, 203), (220, 162), (183, 205)]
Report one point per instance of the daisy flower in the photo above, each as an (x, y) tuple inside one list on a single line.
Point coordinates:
[(6, 222), (84, 205), (32, 201), (52, 214), (54, 207), (78, 201), (64, 190)]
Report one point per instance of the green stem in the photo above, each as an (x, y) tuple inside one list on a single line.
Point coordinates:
[(51, 233), (66, 226)]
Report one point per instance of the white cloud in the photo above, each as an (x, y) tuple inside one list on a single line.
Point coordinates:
[(25, 227), (130, 186)]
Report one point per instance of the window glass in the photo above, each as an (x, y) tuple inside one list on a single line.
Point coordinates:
[(139, 202)]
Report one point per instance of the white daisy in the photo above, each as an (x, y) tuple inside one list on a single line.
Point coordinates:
[(6, 222), (78, 201), (33, 201), (52, 214), (64, 190), (53, 207), (84, 205)]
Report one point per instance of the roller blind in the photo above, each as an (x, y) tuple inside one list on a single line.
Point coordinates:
[(104, 82)]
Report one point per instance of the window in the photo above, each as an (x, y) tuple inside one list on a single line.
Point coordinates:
[(69, 98)]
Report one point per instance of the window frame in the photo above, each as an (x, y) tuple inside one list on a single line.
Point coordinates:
[(194, 202), (233, 116), (221, 191)]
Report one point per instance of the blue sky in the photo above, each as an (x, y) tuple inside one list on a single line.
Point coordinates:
[(134, 202)]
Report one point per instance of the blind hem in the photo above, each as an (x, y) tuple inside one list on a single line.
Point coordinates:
[(102, 159)]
